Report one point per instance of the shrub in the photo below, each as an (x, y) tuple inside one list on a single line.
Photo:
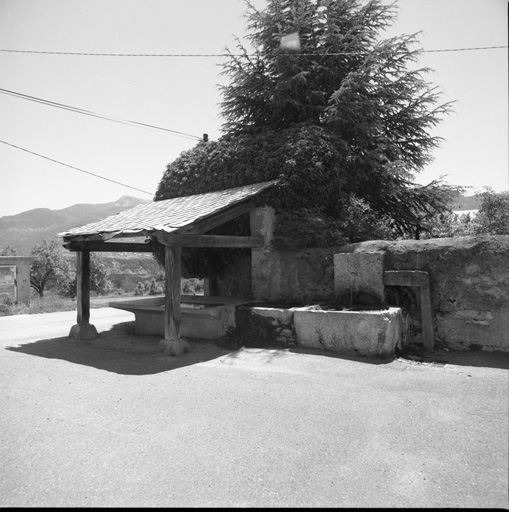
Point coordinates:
[(493, 216), (9, 307)]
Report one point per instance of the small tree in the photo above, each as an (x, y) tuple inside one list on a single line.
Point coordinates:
[(49, 268), (8, 250), (493, 215), (344, 122), (99, 281)]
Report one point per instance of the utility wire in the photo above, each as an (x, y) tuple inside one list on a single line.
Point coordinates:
[(93, 114), (75, 168), (229, 54), (466, 49)]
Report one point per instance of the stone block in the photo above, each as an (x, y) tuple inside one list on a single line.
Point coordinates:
[(174, 347), (83, 332), (358, 278), (367, 333)]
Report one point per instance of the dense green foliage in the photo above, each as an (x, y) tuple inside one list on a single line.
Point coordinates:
[(99, 281), (155, 286), (344, 123), (8, 250), (492, 218), (128, 263), (50, 268)]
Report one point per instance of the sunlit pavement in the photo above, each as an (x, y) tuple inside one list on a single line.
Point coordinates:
[(113, 422)]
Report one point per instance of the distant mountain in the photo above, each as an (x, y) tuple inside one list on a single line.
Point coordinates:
[(466, 203), (27, 229)]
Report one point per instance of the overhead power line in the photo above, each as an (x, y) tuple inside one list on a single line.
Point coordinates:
[(466, 49), (228, 54), (93, 114), (75, 168)]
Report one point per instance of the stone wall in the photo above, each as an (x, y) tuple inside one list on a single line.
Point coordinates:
[(469, 285), (469, 281), (293, 276)]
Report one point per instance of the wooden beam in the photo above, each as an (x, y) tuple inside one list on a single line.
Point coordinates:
[(169, 239), (108, 247), (96, 237)]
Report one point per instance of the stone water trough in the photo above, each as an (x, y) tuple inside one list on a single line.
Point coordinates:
[(201, 316), (362, 332), (367, 333), (361, 323)]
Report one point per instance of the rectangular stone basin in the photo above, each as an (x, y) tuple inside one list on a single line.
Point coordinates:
[(367, 333), (201, 316)]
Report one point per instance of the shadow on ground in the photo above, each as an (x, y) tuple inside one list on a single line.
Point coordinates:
[(121, 351), (274, 350), (478, 358)]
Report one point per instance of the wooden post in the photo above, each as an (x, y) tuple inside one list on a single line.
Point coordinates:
[(428, 330), (83, 330), (172, 344), (418, 279)]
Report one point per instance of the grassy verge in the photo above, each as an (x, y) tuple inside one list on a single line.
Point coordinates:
[(51, 303)]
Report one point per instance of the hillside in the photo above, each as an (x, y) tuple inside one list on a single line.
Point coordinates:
[(27, 229), (466, 203)]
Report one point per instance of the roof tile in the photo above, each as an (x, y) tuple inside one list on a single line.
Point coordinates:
[(168, 215)]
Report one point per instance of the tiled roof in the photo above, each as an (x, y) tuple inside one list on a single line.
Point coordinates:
[(167, 215)]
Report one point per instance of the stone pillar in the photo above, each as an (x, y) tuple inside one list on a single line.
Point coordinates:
[(359, 278), (83, 330), (262, 224)]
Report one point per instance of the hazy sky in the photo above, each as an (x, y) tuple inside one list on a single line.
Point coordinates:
[(180, 93)]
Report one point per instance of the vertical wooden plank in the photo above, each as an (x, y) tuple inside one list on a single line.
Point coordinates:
[(172, 292), (172, 344), (428, 329), (83, 329), (83, 286)]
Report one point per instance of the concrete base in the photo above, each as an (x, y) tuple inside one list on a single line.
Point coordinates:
[(83, 332), (174, 347)]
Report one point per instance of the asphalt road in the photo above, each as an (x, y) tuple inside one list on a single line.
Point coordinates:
[(114, 423)]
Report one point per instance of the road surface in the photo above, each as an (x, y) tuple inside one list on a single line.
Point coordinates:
[(113, 422)]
